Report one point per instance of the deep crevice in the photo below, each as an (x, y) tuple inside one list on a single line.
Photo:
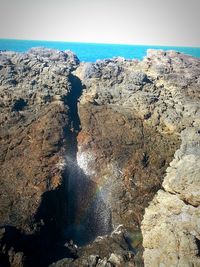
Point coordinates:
[(38, 249), (198, 246), (88, 214), (73, 211)]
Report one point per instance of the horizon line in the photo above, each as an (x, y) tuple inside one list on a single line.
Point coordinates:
[(83, 42)]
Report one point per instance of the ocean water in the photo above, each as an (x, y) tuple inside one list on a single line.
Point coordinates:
[(90, 52)]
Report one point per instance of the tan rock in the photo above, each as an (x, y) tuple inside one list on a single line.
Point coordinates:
[(171, 224)]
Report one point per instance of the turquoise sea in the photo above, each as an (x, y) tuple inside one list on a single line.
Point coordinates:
[(90, 52)]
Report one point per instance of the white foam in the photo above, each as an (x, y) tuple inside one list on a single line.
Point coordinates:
[(118, 230), (84, 160)]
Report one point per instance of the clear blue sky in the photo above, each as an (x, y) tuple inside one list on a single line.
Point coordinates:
[(159, 22)]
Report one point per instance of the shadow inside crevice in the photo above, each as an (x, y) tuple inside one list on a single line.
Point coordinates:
[(89, 213), (37, 249), (76, 210), (71, 100), (198, 246)]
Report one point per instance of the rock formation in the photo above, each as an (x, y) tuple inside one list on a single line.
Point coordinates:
[(171, 222), (78, 174), (34, 127)]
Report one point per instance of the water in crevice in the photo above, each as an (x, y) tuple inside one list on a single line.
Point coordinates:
[(76, 210), (88, 213)]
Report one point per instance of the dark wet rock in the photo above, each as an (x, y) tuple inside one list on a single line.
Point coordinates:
[(109, 251)]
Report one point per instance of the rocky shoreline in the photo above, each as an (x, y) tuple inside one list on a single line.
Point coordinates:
[(105, 154)]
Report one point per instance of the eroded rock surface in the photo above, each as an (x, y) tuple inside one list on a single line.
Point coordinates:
[(109, 250), (133, 116), (171, 225), (34, 125)]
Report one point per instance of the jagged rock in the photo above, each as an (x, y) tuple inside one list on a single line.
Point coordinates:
[(115, 121), (33, 121), (93, 260), (183, 174), (103, 263), (171, 225), (15, 258), (115, 259), (152, 103), (100, 250), (132, 114)]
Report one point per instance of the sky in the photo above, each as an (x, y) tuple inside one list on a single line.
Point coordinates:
[(151, 22)]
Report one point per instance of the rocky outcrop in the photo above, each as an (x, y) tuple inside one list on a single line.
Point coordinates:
[(171, 225), (132, 114), (109, 250), (33, 117), (123, 143), (78, 174), (171, 222), (35, 122)]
